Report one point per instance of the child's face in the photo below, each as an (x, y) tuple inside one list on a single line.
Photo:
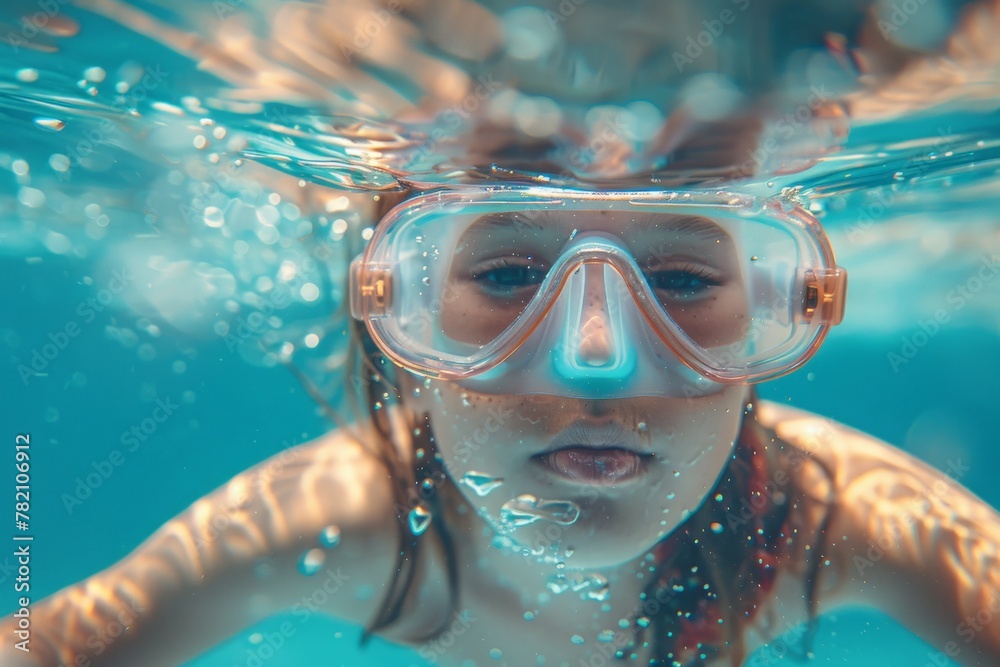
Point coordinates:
[(650, 462)]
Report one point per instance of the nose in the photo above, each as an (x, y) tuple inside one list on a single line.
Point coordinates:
[(593, 346), (597, 345)]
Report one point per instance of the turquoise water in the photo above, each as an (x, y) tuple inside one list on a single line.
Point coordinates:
[(126, 253)]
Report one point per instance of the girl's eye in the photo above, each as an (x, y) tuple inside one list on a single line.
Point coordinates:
[(686, 283), (508, 279)]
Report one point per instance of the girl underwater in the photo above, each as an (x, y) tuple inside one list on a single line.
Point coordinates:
[(551, 448)]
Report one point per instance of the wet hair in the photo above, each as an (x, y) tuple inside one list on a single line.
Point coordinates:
[(710, 575)]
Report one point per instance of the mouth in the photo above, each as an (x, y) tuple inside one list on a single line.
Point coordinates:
[(599, 455)]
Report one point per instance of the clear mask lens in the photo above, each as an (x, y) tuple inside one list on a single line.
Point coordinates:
[(613, 294)]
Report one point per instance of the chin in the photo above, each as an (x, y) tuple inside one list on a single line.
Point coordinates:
[(595, 541)]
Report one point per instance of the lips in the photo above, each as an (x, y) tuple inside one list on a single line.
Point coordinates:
[(595, 465), (595, 454)]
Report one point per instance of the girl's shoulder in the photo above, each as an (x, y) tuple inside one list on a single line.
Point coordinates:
[(895, 533)]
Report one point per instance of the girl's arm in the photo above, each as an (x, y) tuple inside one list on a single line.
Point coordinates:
[(907, 539), (229, 560)]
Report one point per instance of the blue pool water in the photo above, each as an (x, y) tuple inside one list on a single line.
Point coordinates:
[(911, 210)]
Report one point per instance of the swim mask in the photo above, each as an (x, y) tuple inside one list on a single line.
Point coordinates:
[(540, 290)]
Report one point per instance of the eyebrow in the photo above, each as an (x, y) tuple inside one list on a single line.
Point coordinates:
[(694, 225), (538, 220)]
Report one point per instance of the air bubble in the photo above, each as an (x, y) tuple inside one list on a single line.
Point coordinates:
[(330, 536), (53, 124), (95, 74), (419, 519), (213, 217), (527, 509), (312, 561), (481, 483)]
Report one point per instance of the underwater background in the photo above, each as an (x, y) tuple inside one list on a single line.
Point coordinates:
[(151, 254)]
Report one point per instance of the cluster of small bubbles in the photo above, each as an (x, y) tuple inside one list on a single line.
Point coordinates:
[(606, 636), (577, 639), (312, 561), (719, 497), (419, 519), (465, 401), (330, 536), (529, 616), (677, 473), (642, 426), (642, 621), (496, 653)]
